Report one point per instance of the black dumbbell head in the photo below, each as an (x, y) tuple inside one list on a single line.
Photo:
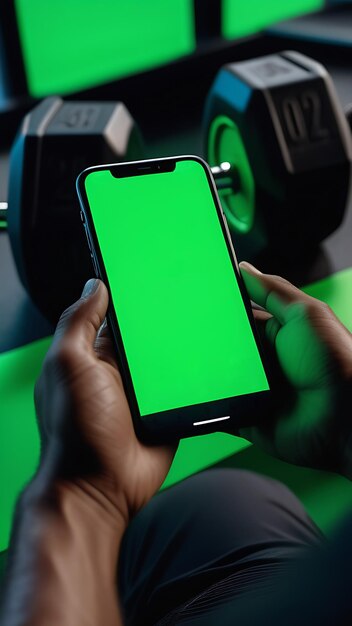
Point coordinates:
[(56, 141), (279, 121)]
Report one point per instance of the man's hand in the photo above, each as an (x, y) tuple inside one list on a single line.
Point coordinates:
[(312, 352), (87, 431), (93, 476)]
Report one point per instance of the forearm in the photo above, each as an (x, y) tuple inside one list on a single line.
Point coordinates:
[(63, 559)]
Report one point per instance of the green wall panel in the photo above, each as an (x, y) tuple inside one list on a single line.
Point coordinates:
[(74, 44), (241, 18)]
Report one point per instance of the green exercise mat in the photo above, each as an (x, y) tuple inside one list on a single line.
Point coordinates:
[(19, 442), (325, 496)]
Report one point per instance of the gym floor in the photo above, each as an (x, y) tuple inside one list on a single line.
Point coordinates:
[(176, 129)]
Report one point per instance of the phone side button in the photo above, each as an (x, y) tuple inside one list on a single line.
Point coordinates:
[(226, 225), (95, 265), (88, 240), (228, 235)]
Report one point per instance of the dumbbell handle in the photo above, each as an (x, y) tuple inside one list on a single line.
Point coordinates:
[(3, 211), (348, 112), (226, 176)]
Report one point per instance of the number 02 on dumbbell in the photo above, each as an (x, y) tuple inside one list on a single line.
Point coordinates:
[(278, 122)]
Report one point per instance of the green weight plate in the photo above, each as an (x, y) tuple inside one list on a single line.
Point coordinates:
[(225, 144)]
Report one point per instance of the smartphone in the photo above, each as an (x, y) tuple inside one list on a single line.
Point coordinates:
[(181, 320)]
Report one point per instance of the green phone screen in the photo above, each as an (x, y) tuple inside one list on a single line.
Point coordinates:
[(183, 323)]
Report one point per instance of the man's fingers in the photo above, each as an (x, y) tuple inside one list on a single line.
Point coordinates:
[(79, 324), (260, 315), (104, 347), (273, 293)]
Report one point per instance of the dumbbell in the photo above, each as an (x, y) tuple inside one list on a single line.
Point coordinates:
[(277, 123), (55, 142), (275, 136)]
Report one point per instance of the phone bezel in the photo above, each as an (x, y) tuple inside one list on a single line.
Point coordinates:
[(174, 423)]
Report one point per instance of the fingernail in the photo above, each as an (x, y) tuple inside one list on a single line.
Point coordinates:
[(244, 265), (90, 287)]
